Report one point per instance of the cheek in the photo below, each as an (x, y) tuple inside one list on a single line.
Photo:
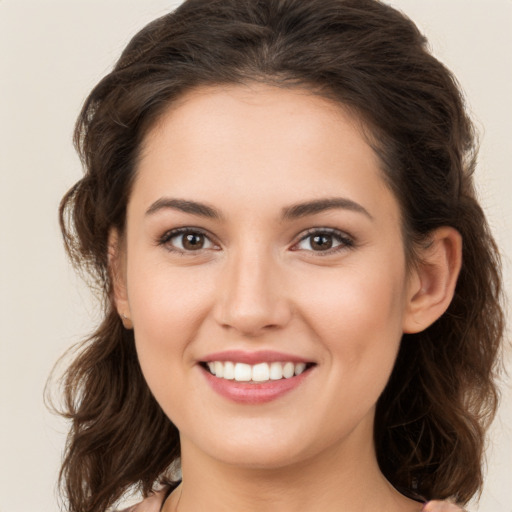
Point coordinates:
[(167, 308), (356, 300), (358, 316), (166, 304), (167, 313)]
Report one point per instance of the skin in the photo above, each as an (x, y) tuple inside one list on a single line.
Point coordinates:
[(258, 283), (154, 504), (441, 506)]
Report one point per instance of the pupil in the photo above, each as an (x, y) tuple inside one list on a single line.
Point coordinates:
[(193, 241), (321, 242)]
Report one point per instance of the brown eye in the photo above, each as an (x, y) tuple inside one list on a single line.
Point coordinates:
[(186, 240), (321, 242), (324, 241), (193, 241)]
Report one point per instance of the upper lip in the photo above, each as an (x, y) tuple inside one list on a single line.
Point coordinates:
[(247, 357)]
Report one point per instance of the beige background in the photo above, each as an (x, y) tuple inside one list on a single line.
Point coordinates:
[(51, 54)]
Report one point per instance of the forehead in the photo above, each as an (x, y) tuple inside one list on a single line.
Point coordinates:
[(260, 142), (205, 114)]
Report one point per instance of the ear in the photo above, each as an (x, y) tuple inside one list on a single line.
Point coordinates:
[(432, 282), (117, 269)]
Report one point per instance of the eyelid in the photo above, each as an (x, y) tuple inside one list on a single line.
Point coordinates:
[(164, 239), (347, 240)]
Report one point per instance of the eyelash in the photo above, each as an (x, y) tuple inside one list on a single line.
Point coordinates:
[(166, 238), (345, 240)]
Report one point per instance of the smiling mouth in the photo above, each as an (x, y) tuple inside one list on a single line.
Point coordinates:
[(257, 373)]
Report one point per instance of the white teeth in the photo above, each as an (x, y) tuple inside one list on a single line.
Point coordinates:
[(243, 372), (219, 369), (299, 368), (276, 371), (288, 370), (229, 370), (261, 372)]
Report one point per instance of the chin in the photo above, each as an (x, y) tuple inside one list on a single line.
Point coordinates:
[(263, 445), (257, 457)]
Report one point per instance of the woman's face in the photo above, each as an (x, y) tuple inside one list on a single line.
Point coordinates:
[(262, 239)]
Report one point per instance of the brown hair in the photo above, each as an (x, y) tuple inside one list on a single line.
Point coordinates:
[(432, 416)]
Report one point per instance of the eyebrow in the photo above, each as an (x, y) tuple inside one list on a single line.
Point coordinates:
[(184, 205), (321, 205), (294, 211)]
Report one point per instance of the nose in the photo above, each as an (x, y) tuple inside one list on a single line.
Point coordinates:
[(252, 298)]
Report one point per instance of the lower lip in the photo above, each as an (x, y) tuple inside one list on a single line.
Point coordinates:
[(257, 393)]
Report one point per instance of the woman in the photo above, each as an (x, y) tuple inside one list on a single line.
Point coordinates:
[(302, 294)]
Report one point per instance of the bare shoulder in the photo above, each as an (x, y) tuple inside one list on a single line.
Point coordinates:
[(442, 506), (154, 503)]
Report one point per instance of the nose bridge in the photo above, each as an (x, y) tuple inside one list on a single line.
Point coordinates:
[(252, 298)]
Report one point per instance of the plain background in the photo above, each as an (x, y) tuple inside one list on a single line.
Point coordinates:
[(51, 54)]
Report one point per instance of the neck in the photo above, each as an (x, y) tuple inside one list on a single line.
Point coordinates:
[(341, 478)]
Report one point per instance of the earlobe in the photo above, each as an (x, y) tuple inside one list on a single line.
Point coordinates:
[(432, 285), (116, 265)]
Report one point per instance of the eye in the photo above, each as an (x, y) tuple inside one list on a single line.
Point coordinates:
[(325, 241), (186, 240)]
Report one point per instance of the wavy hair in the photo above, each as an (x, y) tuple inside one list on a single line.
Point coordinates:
[(431, 419)]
